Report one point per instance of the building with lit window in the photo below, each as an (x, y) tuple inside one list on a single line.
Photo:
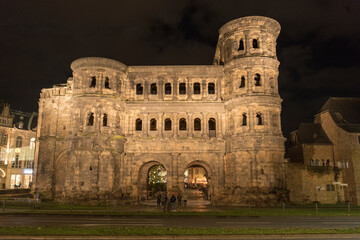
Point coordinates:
[(101, 131), (324, 164), (17, 138)]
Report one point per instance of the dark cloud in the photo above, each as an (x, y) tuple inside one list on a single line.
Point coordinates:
[(318, 47)]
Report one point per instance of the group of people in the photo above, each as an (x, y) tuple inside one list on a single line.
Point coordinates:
[(164, 200)]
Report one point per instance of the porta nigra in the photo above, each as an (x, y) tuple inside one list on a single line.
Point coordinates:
[(101, 132)]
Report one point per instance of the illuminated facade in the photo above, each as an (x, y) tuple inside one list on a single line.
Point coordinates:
[(101, 132), (17, 139)]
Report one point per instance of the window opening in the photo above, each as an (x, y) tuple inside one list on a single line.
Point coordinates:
[(211, 88), (241, 45), (182, 88), (18, 142), (182, 124), (242, 83), (212, 127), (328, 163), (105, 120), (244, 119), (153, 124), (255, 43), (312, 162), (168, 124), (323, 162), (139, 89), (317, 162), (138, 124), (93, 82), (257, 79), (197, 124), (168, 88), (153, 89), (197, 88), (90, 119), (259, 119), (107, 85)]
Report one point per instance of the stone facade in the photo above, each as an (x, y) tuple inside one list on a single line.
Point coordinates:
[(101, 132), (324, 156)]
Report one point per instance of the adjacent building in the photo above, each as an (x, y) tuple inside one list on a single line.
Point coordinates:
[(324, 156), (17, 139), (101, 131)]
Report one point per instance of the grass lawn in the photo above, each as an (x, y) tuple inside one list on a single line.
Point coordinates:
[(157, 231)]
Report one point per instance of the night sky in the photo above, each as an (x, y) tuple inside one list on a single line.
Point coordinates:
[(318, 47)]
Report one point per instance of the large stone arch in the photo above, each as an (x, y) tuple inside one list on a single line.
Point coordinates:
[(60, 174), (143, 177)]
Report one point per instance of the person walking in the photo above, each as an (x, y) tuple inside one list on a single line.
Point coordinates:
[(158, 200), (165, 199), (179, 199), (173, 202)]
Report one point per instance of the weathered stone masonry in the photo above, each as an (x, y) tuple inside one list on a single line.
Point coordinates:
[(99, 133)]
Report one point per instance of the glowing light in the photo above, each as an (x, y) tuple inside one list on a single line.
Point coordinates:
[(3, 172), (28, 171)]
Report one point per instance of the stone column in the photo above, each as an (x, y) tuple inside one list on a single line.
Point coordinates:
[(247, 42)]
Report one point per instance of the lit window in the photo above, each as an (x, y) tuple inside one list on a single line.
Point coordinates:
[(18, 142)]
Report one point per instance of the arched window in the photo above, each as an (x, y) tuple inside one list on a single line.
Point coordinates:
[(328, 163), (317, 163), (153, 124), (196, 88), (212, 127), (167, 88), (107, 84), (197, 124), (259, 118), (323, 162), (168, 124), (105, 119), (182, 88), (153, 89), (244, 119), (241, 45), (138, 124), (93, 82), (139, 89), (212, 124), (311, 162), (182, 124), (255, 43), (90, 119), (211, 88), (19, 142), (257, 79), (242, 83)]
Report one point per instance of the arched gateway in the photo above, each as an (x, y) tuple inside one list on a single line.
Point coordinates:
[(152, 179)]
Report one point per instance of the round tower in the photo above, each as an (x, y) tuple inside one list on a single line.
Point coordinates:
[(254, 150)]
